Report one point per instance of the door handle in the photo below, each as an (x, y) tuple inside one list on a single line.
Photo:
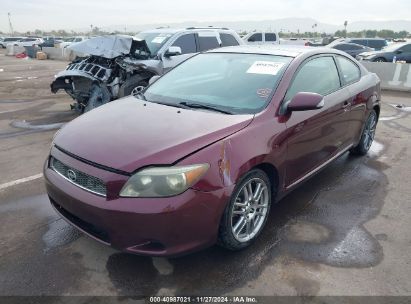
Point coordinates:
[(346, 104)]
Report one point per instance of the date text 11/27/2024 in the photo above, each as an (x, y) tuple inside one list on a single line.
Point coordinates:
[(200, 299)]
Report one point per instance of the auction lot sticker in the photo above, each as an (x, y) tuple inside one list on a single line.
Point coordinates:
[(265, 67)]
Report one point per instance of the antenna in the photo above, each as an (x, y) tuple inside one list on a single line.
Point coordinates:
[(10, 25)]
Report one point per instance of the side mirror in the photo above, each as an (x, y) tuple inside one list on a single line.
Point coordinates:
[(153, 79), (305, 101), (173, 51)]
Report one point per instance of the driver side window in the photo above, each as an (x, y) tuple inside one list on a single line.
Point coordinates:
[(187, 43), (319, 75), (258, 37)]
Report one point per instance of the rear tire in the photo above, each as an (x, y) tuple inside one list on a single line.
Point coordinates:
[(367, 136), (246, 214)]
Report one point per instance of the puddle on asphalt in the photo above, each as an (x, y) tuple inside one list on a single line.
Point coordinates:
[(401, 111), (59, 233), (375, 149), (22, 124), (322, 222)]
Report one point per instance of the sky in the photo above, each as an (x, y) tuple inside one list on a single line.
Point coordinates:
[(80, 14)]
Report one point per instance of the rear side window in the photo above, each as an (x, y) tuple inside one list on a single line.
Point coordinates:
[(208, 42), (319, 75), (270, 37), (342, 47), (406, 48), (350, 71), (360, 41), (256, 37), (228, 40), (377, 44), (187, 43)]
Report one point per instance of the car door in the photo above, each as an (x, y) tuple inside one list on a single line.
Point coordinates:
[(188, 45), (315, 136), (350, 75)]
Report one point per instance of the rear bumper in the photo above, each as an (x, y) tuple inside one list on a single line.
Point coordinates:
[(148, 226)]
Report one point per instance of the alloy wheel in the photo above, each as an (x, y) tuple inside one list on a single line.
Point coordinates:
[(369, 131), (249, 210)]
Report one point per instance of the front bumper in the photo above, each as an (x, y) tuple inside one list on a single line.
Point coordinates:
[(149, 226)]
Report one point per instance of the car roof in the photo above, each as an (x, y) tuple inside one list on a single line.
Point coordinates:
[(349, 43), (279, 50), (366, 39)]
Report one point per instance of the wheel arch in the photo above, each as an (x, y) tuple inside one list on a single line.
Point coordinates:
[(377, 109), (272, 174)]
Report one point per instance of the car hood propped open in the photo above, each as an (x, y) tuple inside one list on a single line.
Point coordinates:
[(110, 46)]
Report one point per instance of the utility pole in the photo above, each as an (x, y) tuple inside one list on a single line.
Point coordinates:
[(10, 25), (314, 27), (345, 28)]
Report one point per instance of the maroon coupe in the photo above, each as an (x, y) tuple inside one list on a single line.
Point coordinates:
[(203, 152)]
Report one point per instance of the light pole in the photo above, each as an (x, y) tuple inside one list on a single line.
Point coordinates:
[(314, 28), (10, 25), (345, 28)]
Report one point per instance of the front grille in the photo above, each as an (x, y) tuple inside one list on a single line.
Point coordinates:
[(78, 178), (92, 69)]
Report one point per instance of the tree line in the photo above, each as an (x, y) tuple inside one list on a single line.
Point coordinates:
[(96, 31), (387, 34)]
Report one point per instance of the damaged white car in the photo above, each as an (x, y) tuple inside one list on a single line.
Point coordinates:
[(117, 65)]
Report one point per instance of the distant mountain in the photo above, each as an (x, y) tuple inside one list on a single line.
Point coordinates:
[(286, 24)]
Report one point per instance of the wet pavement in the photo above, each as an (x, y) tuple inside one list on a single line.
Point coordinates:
[(344, 232)]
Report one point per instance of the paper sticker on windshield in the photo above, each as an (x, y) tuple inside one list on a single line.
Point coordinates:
[(265, 67), (159, 39), (264, 93)]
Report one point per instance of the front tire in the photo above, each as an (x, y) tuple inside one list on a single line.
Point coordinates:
[(132, 86), (367, 136), (246, 214)]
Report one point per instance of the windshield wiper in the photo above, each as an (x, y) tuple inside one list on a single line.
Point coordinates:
[(140, 94), (203, 106), (175, 105)]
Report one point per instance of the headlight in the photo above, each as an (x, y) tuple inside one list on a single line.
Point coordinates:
[(163, 181)]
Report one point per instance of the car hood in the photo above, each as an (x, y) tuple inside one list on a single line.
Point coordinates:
[(110, 46), (129, 133)]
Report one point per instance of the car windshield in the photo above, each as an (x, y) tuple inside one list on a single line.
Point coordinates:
[(393, 47), (154, 41), (235, 83)]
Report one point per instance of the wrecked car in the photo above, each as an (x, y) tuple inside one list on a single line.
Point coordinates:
[(114, 66)]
